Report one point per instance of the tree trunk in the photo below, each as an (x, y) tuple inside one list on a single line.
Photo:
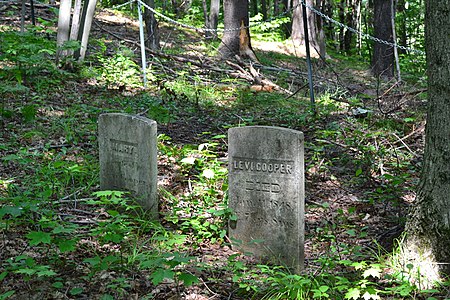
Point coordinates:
[(341, 7), (235, 12), (62, 35), (328, 9), (276, 7), (85, 28), (315, 31), (33, 17), (254, 5), (214, 15), (351, 20), (211, 19), (22, 17), (394, 38), (74, 29), (359, 26), (383, 55), (75, 21), (427, 245), (151, 27), (402, 32), (264, 9)]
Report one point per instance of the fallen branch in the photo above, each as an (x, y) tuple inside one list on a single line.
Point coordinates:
[(252, 75), (338, 144), (402, 95), (419, 129), (406, 146)]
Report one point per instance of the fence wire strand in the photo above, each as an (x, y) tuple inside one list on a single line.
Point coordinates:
[(302, 2), (314, 10)]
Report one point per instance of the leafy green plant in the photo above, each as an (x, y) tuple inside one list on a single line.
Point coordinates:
[(29, 268), (269, 31), (28, 54), (29, 113), (168, 266), (7, 294), (120, 70), (205, 216)]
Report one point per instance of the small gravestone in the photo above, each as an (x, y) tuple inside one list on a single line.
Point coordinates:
[(266, 192), (128, 157)]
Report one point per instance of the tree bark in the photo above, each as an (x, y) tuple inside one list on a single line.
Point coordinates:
[(264, 9), (394, 38), (62, 35), (427, 245), (211, 18), (254, 5), (235, 12), (328, 8), (22, 17), (315, 31), (75, 21), (85, 28), (383, 55), (351, 20), (151, 27), (341, 9), (402, 32)]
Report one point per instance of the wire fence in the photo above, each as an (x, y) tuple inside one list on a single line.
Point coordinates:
[(302, 2), (314, 10)]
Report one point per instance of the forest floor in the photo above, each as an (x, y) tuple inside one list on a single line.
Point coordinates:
[(362, 158)]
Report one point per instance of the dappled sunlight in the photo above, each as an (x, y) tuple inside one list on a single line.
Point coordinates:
[(286, 47), (4, 185), (115, 18), (360, 169), (50, 112), (417, 261)]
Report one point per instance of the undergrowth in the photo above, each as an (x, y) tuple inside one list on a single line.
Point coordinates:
[(63, 237)]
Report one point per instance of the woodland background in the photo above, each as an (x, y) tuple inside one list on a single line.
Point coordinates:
[(63, 238)]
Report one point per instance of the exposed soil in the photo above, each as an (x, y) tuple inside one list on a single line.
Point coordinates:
[(334, 199)]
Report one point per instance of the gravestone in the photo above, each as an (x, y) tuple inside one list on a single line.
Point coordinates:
[(266, 192), (128, 157)]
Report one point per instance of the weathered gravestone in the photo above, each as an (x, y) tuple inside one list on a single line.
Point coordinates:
[(266, 192), (128, 157)]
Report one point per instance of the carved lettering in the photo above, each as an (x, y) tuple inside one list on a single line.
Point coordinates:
[(259, 186), (274, 205), (275, 188), (122, 148), (288, 169), (135, 181), (282, 167)]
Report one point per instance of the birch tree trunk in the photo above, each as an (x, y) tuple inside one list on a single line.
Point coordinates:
[(75, 21), (85, 28), (394, 38), (427, 245), (62, 35)]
